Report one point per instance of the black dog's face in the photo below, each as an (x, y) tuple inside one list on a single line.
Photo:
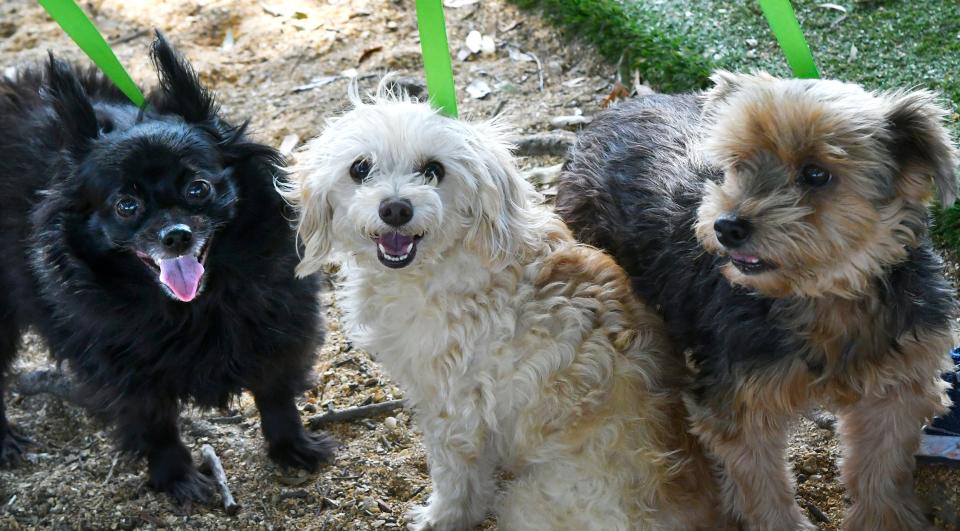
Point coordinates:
[(160, 194), (150, 189)]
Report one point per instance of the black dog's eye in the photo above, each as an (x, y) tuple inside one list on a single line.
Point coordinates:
[(360, 169), (198, 190), (433, 170), (814, 176), (127, 207)]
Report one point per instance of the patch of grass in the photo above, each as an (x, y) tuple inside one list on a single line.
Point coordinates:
[(881, 44), (638, 34)]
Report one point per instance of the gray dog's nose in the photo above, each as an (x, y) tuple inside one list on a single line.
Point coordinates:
[(395, 212), (732, 231), (176, 239)]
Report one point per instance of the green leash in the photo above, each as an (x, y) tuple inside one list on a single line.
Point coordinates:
[(786, 28), (436, 56), (76, 24)]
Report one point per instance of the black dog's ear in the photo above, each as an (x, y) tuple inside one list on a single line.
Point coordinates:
[(70, 103), (921, 144), (181, 91)]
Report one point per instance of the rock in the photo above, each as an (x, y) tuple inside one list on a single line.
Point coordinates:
[(478, 89), (390, 423)]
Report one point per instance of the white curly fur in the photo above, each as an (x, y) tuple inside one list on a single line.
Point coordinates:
[(519, 349)]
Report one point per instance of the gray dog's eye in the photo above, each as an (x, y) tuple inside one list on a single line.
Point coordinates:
[(433, 170), (814, 176), (360, 169)]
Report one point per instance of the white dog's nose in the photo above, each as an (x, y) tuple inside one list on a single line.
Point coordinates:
[(396, 211)]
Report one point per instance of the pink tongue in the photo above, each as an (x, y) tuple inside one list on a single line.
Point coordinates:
[(182, 275), (395, 243)]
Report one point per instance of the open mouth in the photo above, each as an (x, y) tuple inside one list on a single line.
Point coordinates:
[(182, 276), (396, 250), (749, 264)]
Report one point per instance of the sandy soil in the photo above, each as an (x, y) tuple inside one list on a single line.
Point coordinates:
[(284, 65)]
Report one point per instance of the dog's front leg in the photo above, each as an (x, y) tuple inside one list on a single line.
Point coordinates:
[(462, 478), (880, 436), (148, 427), (288, 443), (757, 485)]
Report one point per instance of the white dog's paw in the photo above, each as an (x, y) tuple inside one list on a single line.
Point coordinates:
[(428, 518)]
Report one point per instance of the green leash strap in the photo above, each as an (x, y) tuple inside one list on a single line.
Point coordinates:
[(786, 28), (76, 24), (436, 56)]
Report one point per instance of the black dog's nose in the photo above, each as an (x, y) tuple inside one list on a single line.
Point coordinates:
[(396, 212), (732, 231), (176, 238)]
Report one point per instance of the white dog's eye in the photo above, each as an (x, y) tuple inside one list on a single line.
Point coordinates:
[(433, 170), (360, 169)]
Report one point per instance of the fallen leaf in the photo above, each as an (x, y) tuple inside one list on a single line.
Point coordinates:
[(835, 7), (288, 143), (228, 41), (487, 46), (518, 56), (619, 92), (853, 53), (316, 82), (474, 41), (368, 52), (272, 10), (478, 89)]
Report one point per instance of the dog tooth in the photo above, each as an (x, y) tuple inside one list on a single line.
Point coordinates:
[(407, 250)]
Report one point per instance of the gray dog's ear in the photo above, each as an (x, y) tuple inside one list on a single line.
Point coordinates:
[(725, 85), (921, 144)]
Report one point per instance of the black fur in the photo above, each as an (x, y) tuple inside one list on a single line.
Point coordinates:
[(632, 186), (70, 145)]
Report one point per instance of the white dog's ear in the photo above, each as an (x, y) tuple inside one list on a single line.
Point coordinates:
[(504, 227), (315, 214)]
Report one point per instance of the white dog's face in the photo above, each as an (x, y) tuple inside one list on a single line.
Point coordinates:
[(395, 185)]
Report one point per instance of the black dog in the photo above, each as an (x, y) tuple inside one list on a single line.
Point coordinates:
[(153, 253)]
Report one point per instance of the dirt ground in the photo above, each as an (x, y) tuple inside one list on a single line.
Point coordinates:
[(284, 64)]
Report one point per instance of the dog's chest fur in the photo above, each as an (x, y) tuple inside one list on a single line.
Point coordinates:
[(477, 352)]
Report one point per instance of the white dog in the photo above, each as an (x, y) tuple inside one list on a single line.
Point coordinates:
[(518, 349)]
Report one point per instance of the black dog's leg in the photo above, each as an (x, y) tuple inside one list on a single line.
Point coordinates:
[(11, 443), (288, 443), (149, 429)]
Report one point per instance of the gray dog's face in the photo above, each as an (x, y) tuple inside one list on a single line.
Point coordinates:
[(824, 184)]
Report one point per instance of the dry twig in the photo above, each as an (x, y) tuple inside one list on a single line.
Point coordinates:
[(212, 464), (353, 413)]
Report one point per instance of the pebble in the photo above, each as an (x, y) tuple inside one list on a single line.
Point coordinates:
[(390, 423)]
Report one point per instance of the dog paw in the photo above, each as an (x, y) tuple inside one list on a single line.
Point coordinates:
[(11, 448), (307, 452), (192, 487), (423, 518)]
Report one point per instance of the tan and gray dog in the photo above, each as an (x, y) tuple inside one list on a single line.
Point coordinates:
[(781, 228)]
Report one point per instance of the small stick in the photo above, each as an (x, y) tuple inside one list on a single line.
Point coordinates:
[(212, 463), (112, 465), (353, 413), (48, 381)]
